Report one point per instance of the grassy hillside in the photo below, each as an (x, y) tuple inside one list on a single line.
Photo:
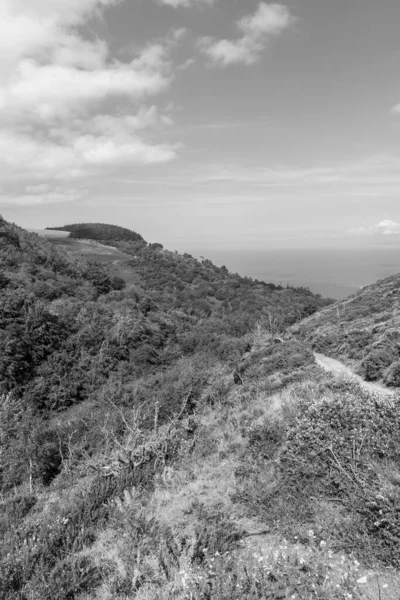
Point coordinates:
[(161, 441), (362, 330)]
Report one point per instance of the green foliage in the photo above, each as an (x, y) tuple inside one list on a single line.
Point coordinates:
[(392, 375), (333, 449), (153, 553), (266, 438), (101, 387), (100, 231), (270, 577), (69, 578), (363, 329), (37, 563), (204, 562), (14, 509), (376, 363), (277, 356), (338, 445)]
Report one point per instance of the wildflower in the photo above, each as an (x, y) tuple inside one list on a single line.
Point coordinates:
[(362, 579)]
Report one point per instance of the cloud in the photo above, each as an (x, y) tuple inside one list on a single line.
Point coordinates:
[(47, 196), (185, 3), (68, 108), (40, 26), (256, 29), (82, 147), (395, 109), (386, 227)]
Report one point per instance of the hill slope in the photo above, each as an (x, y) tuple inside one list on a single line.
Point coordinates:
[(160, 441), (362, 330)]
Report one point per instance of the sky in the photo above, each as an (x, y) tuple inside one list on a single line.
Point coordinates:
[(204, 124)]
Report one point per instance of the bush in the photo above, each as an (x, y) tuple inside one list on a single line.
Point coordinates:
[(277, 356), (392, 375), (333, 450), (265, 439), (117, 283), (14, 510), (70, 577), (375, 363)]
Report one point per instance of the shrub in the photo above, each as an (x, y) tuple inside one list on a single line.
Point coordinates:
[(392, 375), (265, 439), (117, 283), (14, 510), (333, 449), (70, 577), (375, 363), (277, 356)]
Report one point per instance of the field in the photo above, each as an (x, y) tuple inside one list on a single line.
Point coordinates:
[(108, 256)]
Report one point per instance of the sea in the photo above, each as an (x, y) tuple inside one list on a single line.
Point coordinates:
[(333, 273)]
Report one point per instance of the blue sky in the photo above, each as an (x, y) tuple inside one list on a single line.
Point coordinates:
[(204, 123)]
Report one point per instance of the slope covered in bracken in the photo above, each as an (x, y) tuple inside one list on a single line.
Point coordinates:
[(363, 331)]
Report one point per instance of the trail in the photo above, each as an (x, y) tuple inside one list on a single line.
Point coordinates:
[(335, 366)]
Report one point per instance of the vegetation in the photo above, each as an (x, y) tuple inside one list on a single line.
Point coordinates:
[(362, 330), (100, 231), (164, 439)]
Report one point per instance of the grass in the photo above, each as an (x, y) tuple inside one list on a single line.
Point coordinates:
[(193, 505), (250, 503)]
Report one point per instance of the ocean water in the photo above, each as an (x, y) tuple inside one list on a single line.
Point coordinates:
[(331, 273)]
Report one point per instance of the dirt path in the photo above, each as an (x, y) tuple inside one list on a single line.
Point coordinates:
[(338, 368)]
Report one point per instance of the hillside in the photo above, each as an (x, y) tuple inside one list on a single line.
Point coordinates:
[(161, 439), (362, 330)]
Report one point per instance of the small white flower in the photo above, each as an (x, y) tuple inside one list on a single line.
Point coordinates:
[(362, 579)]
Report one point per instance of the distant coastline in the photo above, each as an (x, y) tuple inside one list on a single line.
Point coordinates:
[(330, 272), (333, 273)]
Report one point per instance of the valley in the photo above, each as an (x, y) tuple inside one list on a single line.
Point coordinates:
[(170, 430)]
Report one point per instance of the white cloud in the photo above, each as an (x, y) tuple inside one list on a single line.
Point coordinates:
[(30, 29), (256, 29), (386, 227), (38, 189), (184, 3), (120, 149), (81, 148), (51, 91), (68, 108), (395, 109), (47, 196)]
